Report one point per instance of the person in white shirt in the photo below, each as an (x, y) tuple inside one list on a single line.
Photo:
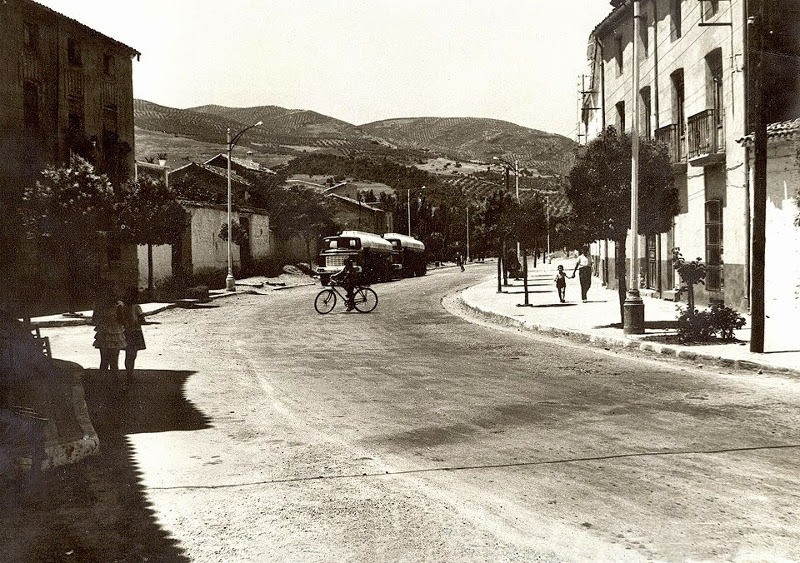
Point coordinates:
[(584, 268)]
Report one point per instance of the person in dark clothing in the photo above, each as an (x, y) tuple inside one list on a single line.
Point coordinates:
[(584, 268), (347, 277)]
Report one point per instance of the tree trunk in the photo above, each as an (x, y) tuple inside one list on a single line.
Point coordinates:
[(149, 267), (503, 254), (525, 272), (619, 268), (499, 272)]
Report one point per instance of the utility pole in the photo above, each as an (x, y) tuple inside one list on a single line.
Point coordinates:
[(467, 233), (547, 209), (408, 209), (633, 308), (756, 25)]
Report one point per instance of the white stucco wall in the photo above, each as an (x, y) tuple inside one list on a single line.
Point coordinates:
[(260, 241), (782, 267), (208, 250), (162, 263)]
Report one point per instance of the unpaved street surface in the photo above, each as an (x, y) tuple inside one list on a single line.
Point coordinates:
[(259, 430)]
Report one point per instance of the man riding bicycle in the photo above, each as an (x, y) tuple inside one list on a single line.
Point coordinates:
[(347, 277)]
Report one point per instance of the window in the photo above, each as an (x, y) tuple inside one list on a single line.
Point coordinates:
[(645, 125), (644, 34), (108, 64), (710, 8), (73, 52), (30, 104), (714, 279), (676, 17), (75, 134), (678, 101), (110, 136), (31, 36), (714, 92), (620, 117), (619, 54)]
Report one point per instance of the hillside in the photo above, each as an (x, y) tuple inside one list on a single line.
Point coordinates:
[(480, 139), (287, 122), (284, 131), (448, 144)]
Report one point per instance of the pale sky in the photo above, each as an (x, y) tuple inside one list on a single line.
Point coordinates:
[(358, 60)]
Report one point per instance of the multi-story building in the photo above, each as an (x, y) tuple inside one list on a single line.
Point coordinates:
[(693, 97), (64, 88)]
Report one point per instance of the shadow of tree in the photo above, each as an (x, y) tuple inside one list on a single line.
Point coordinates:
[(97, 510), (532, 291)]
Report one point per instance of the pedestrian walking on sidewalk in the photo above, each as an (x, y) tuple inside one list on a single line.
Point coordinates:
[(133, 318), (584, 268), (109, 338), (561, 283)]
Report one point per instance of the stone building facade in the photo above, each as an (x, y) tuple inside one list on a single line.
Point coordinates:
[(692, 97), (64, 88)]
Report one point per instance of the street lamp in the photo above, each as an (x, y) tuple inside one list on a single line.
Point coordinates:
[(230, 282), (633, 308), (408, 207)]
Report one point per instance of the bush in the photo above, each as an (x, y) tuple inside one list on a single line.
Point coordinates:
[(214, 278), (269, 266), (702, 326), (726, 320)]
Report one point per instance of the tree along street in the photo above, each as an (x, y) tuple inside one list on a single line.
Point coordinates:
[(257, 429)]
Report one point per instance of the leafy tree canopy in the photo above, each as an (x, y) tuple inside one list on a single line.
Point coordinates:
[(69, 203), (600, 187), (150, 214)]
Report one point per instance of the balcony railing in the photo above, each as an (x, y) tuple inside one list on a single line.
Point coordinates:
[(706, 138), (676, 143)]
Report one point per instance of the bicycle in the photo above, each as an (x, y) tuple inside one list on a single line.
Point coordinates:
[(364, 299)]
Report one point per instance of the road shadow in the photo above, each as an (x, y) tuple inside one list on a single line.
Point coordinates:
[(522, 292), (554, 305), (653, 325), (97, 509)]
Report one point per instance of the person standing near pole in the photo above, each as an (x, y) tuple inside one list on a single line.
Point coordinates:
[(584, 268)]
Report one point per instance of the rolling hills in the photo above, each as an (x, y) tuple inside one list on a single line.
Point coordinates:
[(289, 132), (470, 138)]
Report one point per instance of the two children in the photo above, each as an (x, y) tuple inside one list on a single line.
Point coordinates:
[(118, 326)]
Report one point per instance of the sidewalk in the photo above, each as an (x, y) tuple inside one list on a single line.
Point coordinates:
[(598, 321)]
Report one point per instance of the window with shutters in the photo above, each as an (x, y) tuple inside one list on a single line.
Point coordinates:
[(714, 278)]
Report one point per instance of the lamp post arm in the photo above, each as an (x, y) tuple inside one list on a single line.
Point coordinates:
[(232, 142)]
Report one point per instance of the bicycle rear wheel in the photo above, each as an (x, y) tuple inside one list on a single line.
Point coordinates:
[(365, 300), (325, 301)]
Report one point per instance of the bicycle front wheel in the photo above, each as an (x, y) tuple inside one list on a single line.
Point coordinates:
[(325, 301), (365, 300)]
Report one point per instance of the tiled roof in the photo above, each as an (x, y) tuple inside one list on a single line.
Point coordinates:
[(781, 130), (216, 170), (611, 18), (352, 201), (83, 25), (249, 164)]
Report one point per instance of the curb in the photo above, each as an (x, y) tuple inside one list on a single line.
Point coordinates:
[(620, 342), (63, 453)]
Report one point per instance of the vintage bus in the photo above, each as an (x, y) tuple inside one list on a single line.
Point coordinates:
[(370, 252), (409, 257)]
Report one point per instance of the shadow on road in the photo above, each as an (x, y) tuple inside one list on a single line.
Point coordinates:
[(97, 510)]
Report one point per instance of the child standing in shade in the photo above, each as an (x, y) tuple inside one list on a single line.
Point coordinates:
[(109, 335), (561, 283), (133, 318)]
